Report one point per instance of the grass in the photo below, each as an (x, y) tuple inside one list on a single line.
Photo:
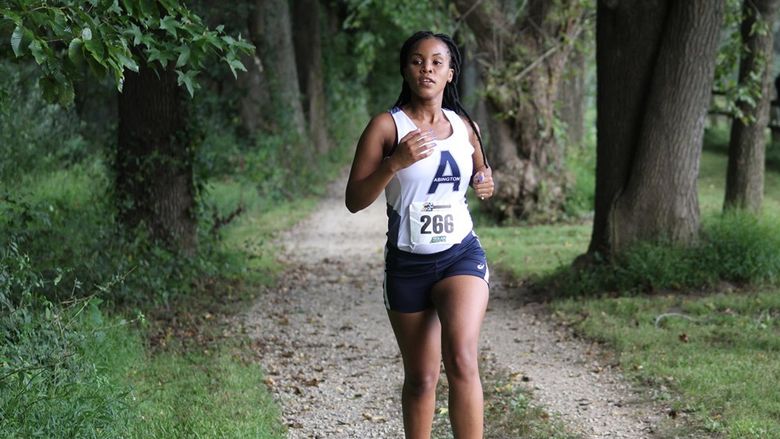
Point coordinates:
[(206, 394), (177, 376), (718, 366)]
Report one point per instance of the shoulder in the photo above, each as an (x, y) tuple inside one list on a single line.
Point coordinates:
[(469, 127), (382, 124), (381, 129)]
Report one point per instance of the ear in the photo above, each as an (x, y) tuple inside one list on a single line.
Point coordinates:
[(450, 75)]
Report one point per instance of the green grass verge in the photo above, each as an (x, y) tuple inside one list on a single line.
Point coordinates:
[(209, 395), (716, 357)]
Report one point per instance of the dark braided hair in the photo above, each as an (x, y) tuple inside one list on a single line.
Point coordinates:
[(451, 99)]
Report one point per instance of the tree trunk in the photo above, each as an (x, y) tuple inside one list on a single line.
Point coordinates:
[(571, 96), (308, 58), (154, 176), (747, 146), (526, 59), (271, 32), (652, 103)]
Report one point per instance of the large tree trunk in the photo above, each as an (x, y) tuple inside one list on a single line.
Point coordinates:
[(308, 57), (747, 146), (271, 32), (652, 103), (526, 58), (154, 178)]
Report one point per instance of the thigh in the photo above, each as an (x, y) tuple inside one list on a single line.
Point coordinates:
[(419, 339), (461, 302)]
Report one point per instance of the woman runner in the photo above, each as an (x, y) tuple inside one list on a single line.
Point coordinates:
[(424, 153)]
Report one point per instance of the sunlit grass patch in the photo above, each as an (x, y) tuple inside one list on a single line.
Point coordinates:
[(719, 353), (534, 250), (211, 394)]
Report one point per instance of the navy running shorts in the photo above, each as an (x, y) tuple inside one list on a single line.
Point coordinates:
[(410, 277)]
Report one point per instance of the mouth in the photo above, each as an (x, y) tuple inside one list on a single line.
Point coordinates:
[(426, 81)]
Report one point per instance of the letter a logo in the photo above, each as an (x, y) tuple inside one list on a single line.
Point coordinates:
[(454, 177)]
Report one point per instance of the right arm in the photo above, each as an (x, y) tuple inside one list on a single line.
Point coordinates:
[(371, 171)]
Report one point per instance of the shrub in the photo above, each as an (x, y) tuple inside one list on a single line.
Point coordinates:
[(56, 361), (736, 247)]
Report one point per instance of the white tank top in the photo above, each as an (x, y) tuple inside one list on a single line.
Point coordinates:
[(426, 202)]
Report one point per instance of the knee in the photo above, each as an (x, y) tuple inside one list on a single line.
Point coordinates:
[(461, 364), (421, 383)]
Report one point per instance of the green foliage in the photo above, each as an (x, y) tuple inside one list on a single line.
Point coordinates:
[(733, 97), (380, 28), (58, 364), (735, 247), (66, 36), (34, 135)]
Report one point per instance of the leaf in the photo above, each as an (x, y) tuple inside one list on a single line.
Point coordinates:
[(235, 64), (127, 62), (136, 33), (162, 56), (95, 47), (38, 50), (75, 52), (149, 8), (169, 24), (130, 7), (184, 56), (16, 40), (188, 79), (86, 34)]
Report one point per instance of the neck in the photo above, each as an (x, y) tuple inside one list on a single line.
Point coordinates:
[(425, 110)]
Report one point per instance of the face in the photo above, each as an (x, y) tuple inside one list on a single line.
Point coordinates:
[(428, 68)]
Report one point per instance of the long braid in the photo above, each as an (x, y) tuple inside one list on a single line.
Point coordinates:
[(451, 98)]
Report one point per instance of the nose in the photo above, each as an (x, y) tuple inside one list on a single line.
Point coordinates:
[(426, 67)]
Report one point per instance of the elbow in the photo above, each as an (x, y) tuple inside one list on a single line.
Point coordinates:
[(352, 207)]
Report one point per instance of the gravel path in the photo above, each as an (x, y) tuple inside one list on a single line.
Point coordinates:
[(333, 365)]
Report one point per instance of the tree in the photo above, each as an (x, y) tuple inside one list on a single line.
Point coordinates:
[(153, 163), (523, 54), (271, 31), (154, 39), (308, 59), (655, 64), (747, 146)]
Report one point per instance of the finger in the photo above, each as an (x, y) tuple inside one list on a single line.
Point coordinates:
[(410, 135)]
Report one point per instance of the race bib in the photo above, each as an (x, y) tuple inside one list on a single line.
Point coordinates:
[(435, 222)]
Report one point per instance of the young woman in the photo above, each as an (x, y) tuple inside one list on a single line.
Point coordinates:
[(424, 154)]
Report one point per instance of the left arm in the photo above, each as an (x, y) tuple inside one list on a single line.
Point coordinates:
[(482, 181)]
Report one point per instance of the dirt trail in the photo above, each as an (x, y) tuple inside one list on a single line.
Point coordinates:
[(333, 365)]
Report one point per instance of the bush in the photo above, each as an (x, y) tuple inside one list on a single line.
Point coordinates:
[(57, 363), (734, 247)]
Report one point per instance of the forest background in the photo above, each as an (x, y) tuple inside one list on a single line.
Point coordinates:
[(151, 150)]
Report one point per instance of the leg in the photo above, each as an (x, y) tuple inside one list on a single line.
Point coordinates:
[(461, 302), (419, 337)]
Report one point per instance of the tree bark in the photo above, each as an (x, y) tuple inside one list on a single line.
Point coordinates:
[(154, 175), (271, 32), (308, 57), (747, 146), (655, 66), (523, 61), (571, 96)]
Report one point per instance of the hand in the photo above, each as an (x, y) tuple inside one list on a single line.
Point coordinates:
[(483, 183), (413, 147)]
